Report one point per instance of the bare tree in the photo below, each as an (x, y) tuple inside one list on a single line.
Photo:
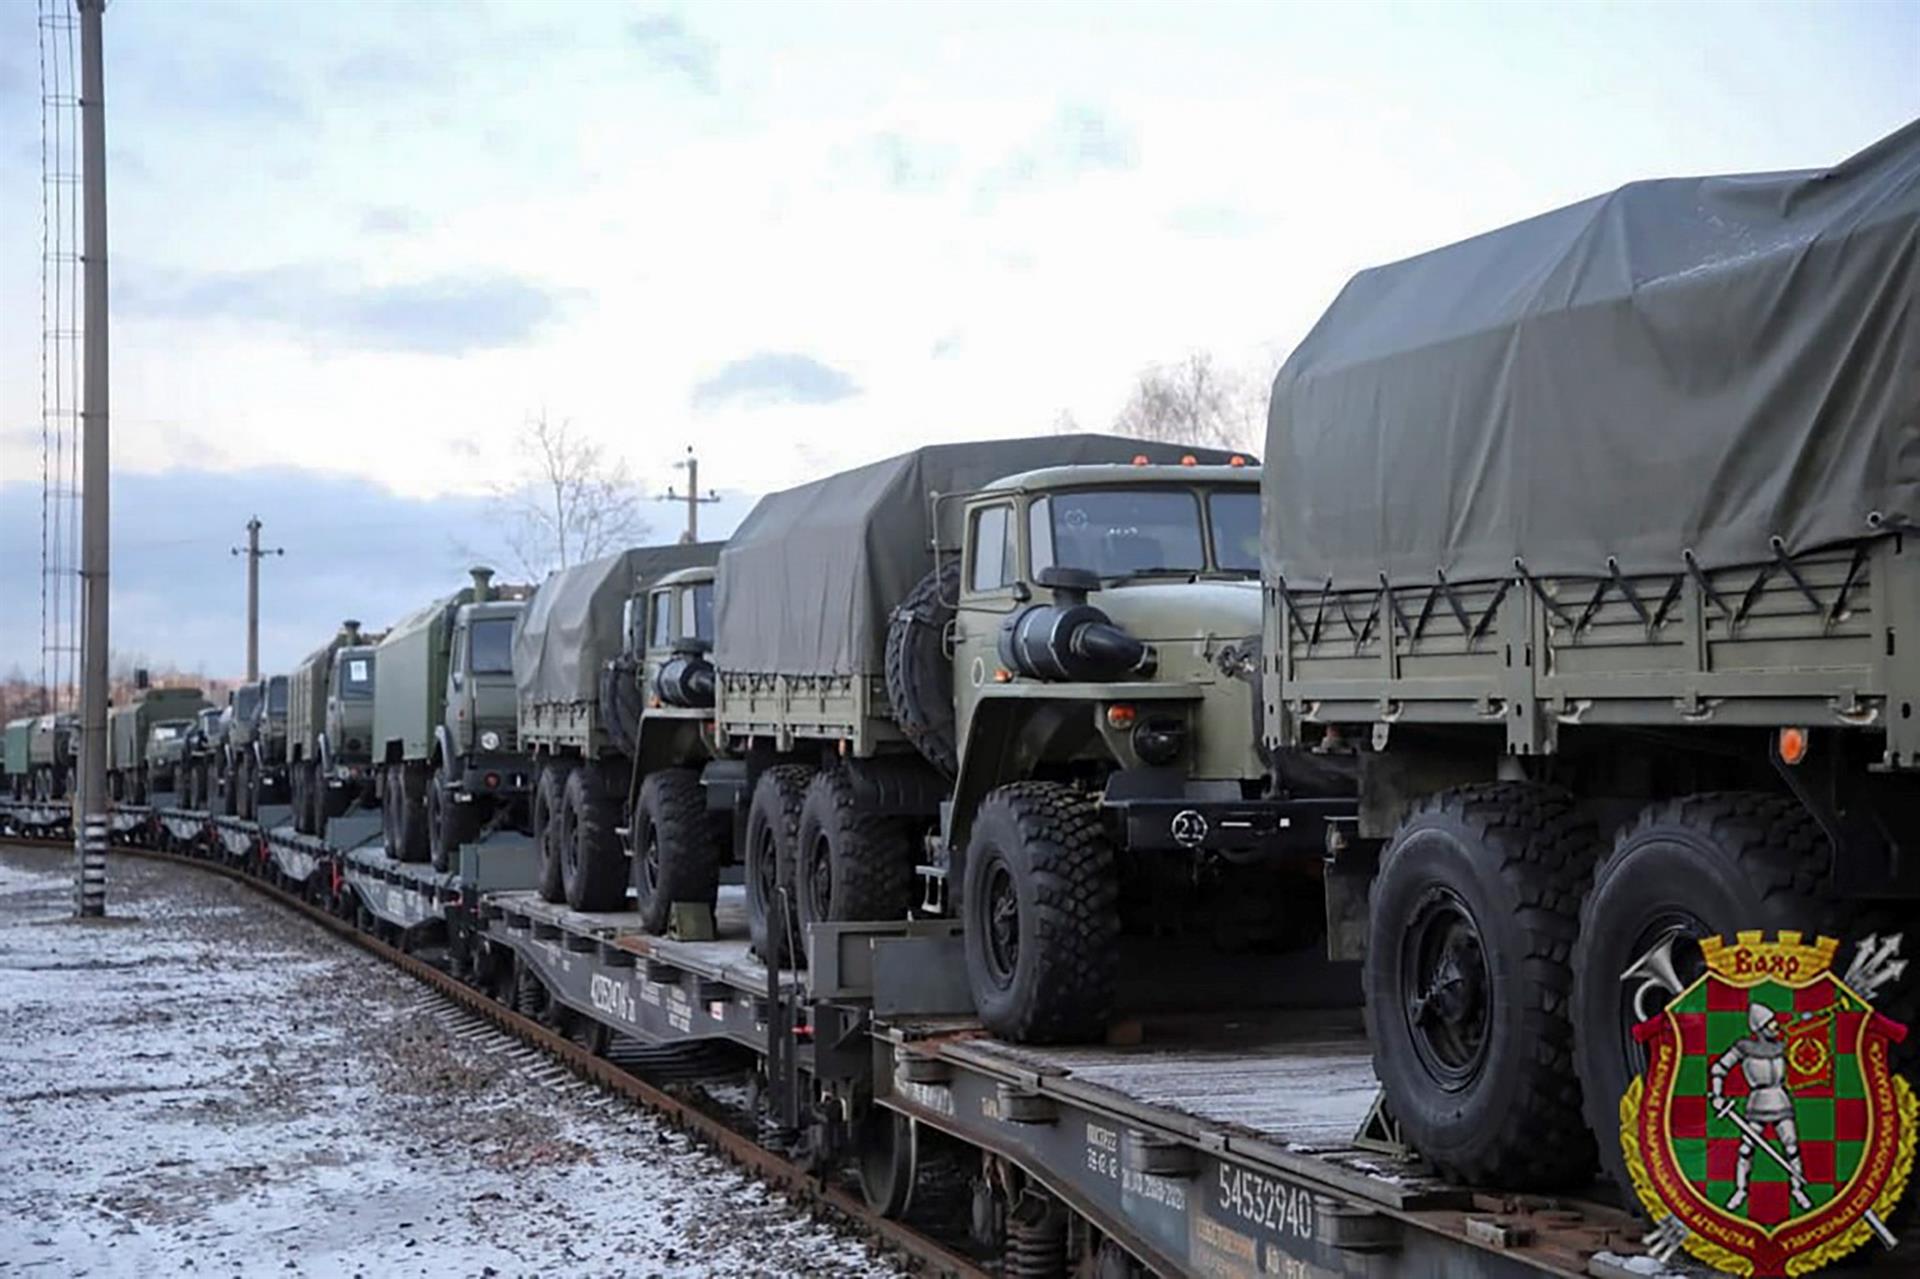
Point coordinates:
[(568, 501), (1194, 401)]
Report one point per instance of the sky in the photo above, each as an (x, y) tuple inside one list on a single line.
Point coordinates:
[(354, 245)]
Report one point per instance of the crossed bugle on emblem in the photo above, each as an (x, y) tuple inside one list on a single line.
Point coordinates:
[(1768, 1135)]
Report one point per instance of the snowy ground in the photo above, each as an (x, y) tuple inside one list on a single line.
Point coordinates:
[(205, 1084)]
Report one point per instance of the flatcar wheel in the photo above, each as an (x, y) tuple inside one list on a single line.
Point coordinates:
[(596, 1037), (888, 1146)]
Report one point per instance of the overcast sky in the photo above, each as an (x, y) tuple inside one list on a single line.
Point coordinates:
[(364, 240)]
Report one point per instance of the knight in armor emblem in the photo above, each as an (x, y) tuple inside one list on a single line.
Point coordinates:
[(1762, 1058)]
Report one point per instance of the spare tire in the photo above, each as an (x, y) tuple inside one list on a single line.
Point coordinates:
[(919, 672)]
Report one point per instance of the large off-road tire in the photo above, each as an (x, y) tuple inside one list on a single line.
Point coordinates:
[(142, 792), (593, 865), (449, 823), (1041, 910), (549, 797), (411, 814), (230, 788), (299, 781), (675, 857), (390, 809), (850, 864), (1704, 865), (773, 828), (919, 670), (1467, 977)]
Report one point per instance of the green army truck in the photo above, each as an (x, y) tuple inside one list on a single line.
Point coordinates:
[(330, 730), (1023, 669), (585, 718), (444, 736), (132, 776), (13, 758), (256, 747), (1586, 542), (199, 763), (52, 754)]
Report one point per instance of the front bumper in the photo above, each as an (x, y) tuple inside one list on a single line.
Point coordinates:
[(1239, 830)]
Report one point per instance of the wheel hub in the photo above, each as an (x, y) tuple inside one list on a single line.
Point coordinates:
[(1003, 925), (1447, 989), (820, 880)]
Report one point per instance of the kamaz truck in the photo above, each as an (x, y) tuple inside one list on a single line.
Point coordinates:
[(1586, 544), (330, 730), (132, 774), (592, 722), (255, 768), (444, 734), (200, 756)]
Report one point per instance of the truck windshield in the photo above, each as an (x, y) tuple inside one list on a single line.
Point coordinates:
[(277, 695), (1236, 530), (356, 679), (490, 643), (245, 700), (1118, 532), (696, 607)]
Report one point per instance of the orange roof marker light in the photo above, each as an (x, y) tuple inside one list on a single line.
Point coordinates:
[(1121, 715), (1188, 459), (1139, 459), (1236, 460), (1793, 745)]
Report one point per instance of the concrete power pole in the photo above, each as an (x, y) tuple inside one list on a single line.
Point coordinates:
[(253, 553), (691, 465), (91, 890)]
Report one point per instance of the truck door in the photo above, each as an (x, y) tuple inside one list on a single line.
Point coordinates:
[(990, 588)]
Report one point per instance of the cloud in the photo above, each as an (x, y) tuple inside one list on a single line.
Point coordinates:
[(665, 40), (389, 219), (1215, 221), (774, 377), (447, 315), (907, 165), (1078, 140)]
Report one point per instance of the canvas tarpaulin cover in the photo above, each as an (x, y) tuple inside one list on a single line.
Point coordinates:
[(572, 624), (1696, 364), (808, 579)]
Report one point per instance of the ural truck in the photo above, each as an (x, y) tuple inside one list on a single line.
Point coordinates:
[(444, 737), (132, 775), (1020, 676), (51, 750), (199, 759), (580, 711), (19, 779), (330, 730), (1586, 541), (253, 769)]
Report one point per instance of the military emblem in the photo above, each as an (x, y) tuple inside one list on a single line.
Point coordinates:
[(1768, 1136)]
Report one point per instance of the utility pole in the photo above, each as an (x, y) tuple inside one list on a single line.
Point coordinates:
[(691, 465), (253, 552), (91, 890)]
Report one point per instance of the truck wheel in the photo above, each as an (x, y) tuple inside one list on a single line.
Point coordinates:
[(1471, 926), (410, 813), (142, 792), (297, 784), (593, 865), (919, 670), (256, 789), (675, 858), (1705, 865), (1041, 911), (549, 797), (773, 827), (850, 863), (449, 824)]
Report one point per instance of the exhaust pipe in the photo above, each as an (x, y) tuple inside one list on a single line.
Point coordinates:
[(351, 628), (482, 584)]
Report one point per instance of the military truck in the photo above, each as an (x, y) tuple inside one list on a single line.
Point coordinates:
[(578, 654), (254, 769), (910, 676), (166, 755), (1586, 541), (52, 749), (199, 764), (13, 757), (330, 730), (444, 734), (131, 774)]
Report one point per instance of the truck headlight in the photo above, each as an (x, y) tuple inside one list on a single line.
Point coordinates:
[(1158, 741), (489, 741)]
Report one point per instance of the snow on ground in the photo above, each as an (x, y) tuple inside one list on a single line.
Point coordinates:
[(206, 1084)]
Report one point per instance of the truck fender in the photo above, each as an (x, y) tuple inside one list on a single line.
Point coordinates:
[(443, 752), (323, 751), (1006, 738)]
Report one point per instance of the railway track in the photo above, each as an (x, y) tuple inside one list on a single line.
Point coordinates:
[(799, 1184)]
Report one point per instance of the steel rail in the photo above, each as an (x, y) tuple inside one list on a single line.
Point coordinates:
[(802, 1187)]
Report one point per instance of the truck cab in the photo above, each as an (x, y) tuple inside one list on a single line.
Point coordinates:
[(349, 718), (671, 628), (480, 708)]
